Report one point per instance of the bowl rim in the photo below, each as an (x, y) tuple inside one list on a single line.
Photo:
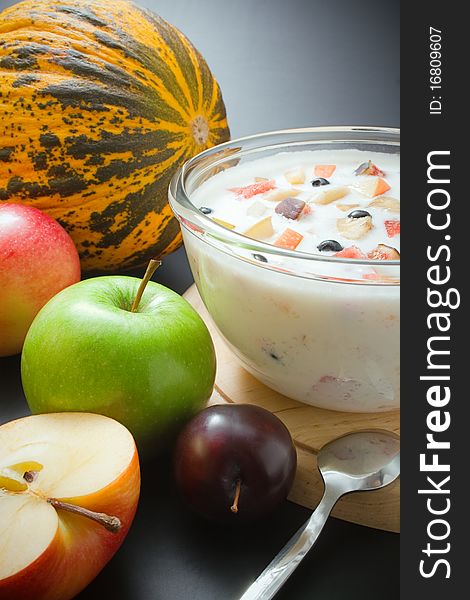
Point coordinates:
[(197, 222)]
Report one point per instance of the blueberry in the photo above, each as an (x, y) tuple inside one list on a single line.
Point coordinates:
[(205, 210), (332, 245), (319, 181), (358, 214), (260, 257)]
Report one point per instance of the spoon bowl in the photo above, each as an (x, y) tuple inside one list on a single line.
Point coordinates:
[(360, 461)]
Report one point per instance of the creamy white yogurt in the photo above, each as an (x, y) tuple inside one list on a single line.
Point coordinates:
[(333, 343), (321, 223)]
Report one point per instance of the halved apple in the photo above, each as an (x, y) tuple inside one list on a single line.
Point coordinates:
[(69, 487)]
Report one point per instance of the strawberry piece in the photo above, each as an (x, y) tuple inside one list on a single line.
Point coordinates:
[(393, 227), (255, 188), (289, 239), (324, 170), (374, 170), (351, 252)]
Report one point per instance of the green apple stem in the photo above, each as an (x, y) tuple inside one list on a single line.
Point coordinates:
[(152, 267), (234, 507), (112, 524)]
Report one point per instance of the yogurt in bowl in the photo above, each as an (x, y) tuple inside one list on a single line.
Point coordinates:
[(293, 241)]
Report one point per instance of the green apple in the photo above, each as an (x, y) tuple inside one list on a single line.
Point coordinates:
[(87, 351)]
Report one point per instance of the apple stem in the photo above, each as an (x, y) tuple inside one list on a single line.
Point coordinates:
[(152, 267), (112, 524), (234, 507)]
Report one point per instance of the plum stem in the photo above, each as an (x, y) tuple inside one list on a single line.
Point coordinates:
[(234, 507), (112, 524), (151, 268)]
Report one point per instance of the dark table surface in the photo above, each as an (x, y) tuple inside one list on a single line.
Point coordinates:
[(170, 554)]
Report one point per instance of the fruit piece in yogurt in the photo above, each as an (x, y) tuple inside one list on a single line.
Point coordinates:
[(387, 203), (351, 252), (261, 230), (289, 239), (371, 186), (260, 187), (296, 175), (384, 252), (392, 227), (354, 228), (368, 168), (330, 195), (324, 170), (290, 208), (329, 245), (319, 181)]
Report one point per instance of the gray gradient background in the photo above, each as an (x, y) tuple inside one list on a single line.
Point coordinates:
[(280, 64)]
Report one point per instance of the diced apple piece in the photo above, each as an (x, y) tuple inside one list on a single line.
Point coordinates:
[(330, 194), (257, 209), (261, 230), (289, 239), (354, 229), (324, 170), (290, 208), (386, 202), (296, 175), (384, 252), (371, 186), (224, 223), (346, 207), (279, 194)]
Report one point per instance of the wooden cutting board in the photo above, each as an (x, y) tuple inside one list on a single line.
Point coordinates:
[(310, 428)]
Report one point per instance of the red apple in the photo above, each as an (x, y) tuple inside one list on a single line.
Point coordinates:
[(38, 259), (69, 487)]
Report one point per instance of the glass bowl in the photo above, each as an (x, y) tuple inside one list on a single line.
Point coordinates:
[(321, 330)]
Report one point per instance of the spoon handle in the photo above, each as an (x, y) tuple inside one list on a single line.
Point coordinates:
[(287, 560)]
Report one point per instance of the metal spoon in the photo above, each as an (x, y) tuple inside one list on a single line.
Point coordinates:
[(355, 462)]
